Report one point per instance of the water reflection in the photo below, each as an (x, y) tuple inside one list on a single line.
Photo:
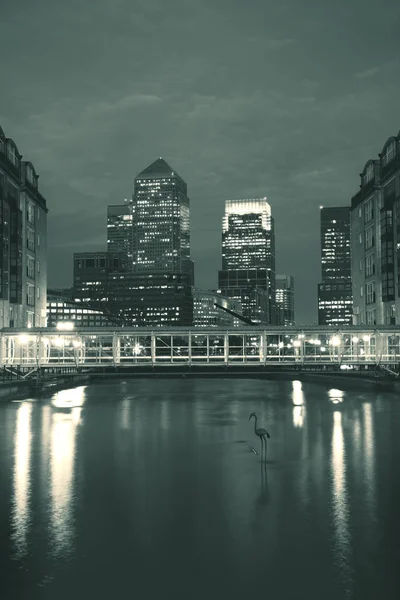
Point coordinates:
[(62, 463), (22, 479), (298, 401), (336, 396), (340, 502), (369, 458)]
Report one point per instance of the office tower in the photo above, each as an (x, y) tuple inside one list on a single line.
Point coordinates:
[(159, 292), (285, 300), (62, 307), (94, 273), (119, 228), (248, 258), (335, 305), (207, 314), (375, 240), (23, 232)]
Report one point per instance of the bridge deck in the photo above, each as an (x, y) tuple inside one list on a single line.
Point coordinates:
[(177, 346)]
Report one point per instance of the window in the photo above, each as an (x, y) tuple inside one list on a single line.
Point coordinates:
[(369, 265), (368, 211), (38, 240), (361, 291), (30, 269), (30, 213), (371, 317), (389, 153), (369, 173), (361, 265), (369, 238), (30, 240), (12, 154), (30, 296), (370, 292), (360, 212), (38, 292), (38, 266), (360, 238)]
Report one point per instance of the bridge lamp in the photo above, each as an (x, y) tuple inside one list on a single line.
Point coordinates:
[(355, 340), (296, 343), (58, 342), (301, 335), (323, 349), (45, 341), (289, 346), (76, 343), (366, 338), (23, 339), (335, 340), (317, 342), (137, 348), (281, 344)]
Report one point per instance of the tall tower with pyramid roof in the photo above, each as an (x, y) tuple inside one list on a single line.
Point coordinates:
[(161, 227), (158, 291)]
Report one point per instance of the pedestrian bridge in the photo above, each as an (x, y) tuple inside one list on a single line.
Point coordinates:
[(280, 346)]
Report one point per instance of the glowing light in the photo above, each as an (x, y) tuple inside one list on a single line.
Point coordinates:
[(76, 343), (65, 325), (366, 338), (323, 349), (69, 398), (58, 342), (335, 341), (296, 343), (137, 349), (336, 396), (355, 340), (297, 393), (23, 339)]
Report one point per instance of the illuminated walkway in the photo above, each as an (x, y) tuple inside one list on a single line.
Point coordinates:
[(48, 347)]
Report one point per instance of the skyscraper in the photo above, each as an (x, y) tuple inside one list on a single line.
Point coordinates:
[(285, 300), (335, 304), (160, 287), (248, 258), (23, 238), (119, 228)]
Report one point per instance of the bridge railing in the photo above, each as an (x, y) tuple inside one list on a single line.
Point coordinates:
[(47, 347)]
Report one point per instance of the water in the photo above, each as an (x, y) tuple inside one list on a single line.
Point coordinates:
[(150, 489)]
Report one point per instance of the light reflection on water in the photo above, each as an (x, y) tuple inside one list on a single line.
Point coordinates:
[(22, 479), (340, 503), (167, 478)]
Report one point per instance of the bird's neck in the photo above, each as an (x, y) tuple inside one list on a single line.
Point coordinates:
[(255, 423)]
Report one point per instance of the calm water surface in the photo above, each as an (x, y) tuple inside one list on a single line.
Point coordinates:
[(150, 489)]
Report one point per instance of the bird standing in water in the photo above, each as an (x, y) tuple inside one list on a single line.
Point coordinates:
[(262, 434)]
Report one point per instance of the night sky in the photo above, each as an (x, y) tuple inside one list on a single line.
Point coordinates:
[(244, 99)]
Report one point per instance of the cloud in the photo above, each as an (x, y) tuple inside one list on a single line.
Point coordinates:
[(278, 44), (367, 73)]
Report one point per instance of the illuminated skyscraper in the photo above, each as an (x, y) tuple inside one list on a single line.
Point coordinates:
[(119, 228), (248, 258), (160, 288), (285, 300), (335, 304)]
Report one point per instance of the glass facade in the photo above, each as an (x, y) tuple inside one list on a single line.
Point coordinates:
[(285, 300), (335, 303), (248, 258), (119, 228)]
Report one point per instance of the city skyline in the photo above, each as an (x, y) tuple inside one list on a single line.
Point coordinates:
[(249, 113)]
